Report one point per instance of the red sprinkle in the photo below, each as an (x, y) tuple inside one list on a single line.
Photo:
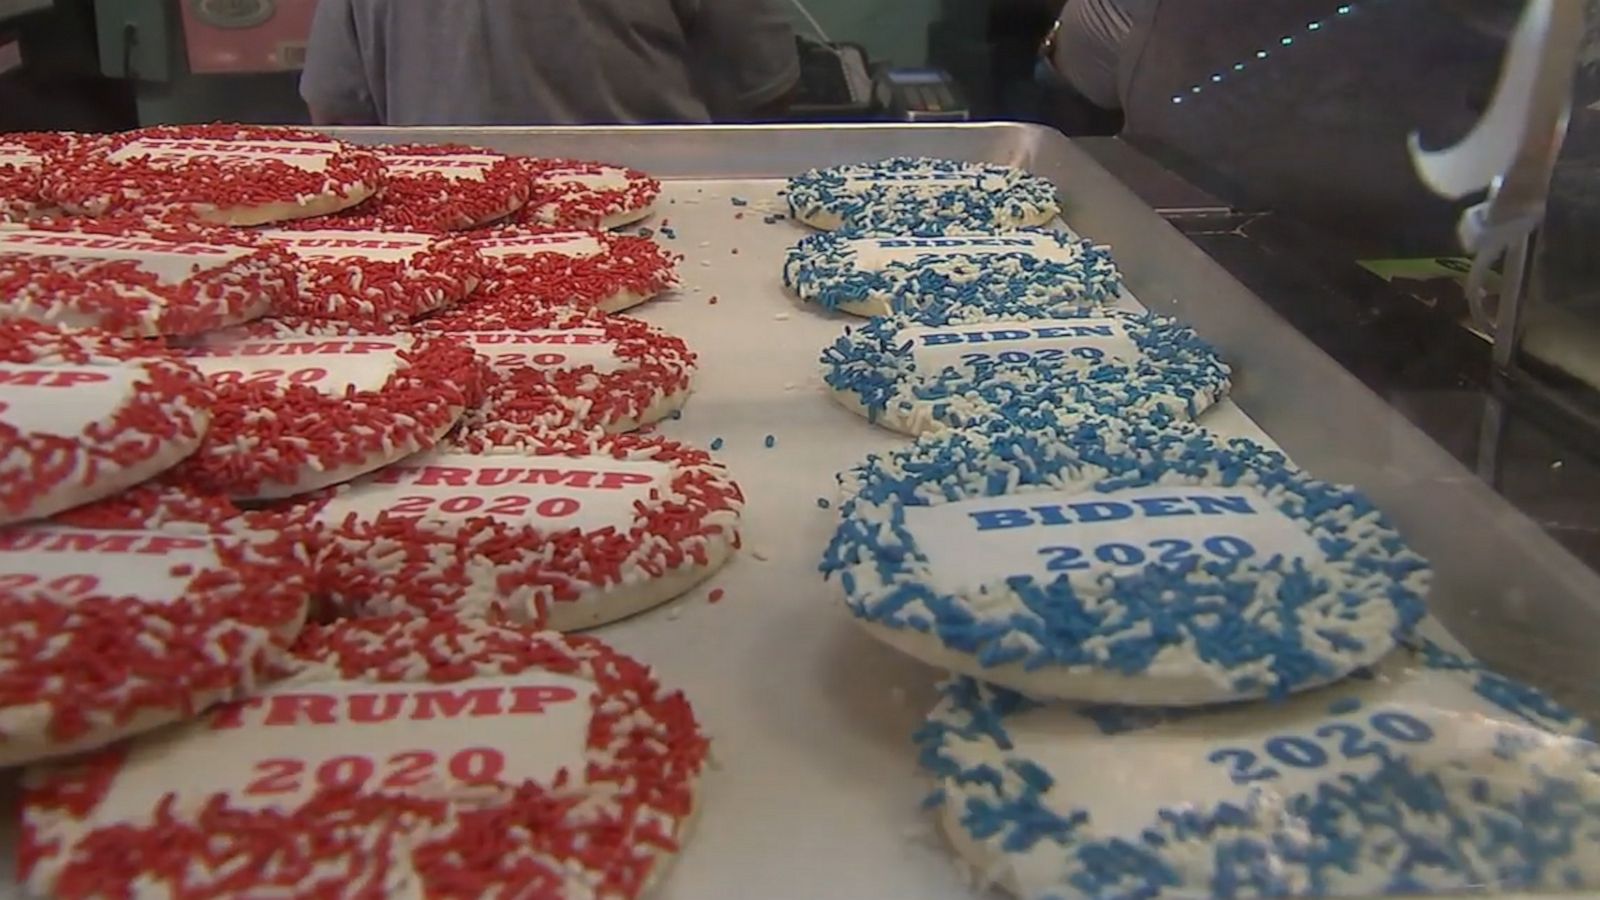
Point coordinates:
[(645, 754), (716, 595)]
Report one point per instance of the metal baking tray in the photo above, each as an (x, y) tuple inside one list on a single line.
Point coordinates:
[(815, 791)]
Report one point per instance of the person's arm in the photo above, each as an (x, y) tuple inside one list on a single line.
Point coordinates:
[(746, 54), (334, 83)]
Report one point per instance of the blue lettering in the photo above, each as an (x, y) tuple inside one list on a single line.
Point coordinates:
[(1008, 335), (1093, 331), (1100, 511), (934, 340), (1052, 515), (993, 519), (1163, 506), (1221, 506)]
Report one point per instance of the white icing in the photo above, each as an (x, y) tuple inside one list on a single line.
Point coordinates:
[(19, 158), (74, 562), (331, 365), (35, 399), (876, 254), (1057, 342), (1261, 752), (312, 156), (930, 181), (550, 493), (433, 740), (607, 179), (380, 246), (570, 348), (464, 167), (1084, 535), (170, 262), (575, 244)]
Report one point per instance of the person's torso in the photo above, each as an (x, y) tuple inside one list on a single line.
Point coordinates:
[(526, 61)]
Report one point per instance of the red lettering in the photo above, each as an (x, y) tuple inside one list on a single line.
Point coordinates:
[(288, 709), (443, 476), (614, 480), (307, 347), (232, 714), (50, 378), (497, 477), (393, 474), (371, 347), (364, 709), (451, 704), (92, 542), (532, 698), (157, 546)]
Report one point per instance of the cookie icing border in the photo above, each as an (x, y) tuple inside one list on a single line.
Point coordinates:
[(872, 371), (608, 829), (821, 198), (1081, 642), (562, 580), (820, 269)]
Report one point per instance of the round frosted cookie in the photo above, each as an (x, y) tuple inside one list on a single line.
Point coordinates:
[(84, 416), (571, 193), (374, 278), (876, 276), (441, 187), (24, 156), (138, 281), (1110, 561), (1429, 775), (225, 174), (915, 374), (526, 269), (566, 532), (915, 195), (116, 619), (560, 368), (294, 412), (409, 757)]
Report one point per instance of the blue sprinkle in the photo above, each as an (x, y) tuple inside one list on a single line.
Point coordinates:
[(645, 232), (770, 442), (716, 443), (822, 503), (739, 201)]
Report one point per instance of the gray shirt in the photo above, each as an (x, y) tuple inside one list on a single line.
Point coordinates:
[(505, 62)]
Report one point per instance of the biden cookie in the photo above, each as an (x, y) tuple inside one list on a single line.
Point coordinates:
[(121, 617), (1426, 775), (405, 757), (567, 532), (1110, 561), (562, 368), (875, 276), (916, 373), (922, 196), (223, 174)]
